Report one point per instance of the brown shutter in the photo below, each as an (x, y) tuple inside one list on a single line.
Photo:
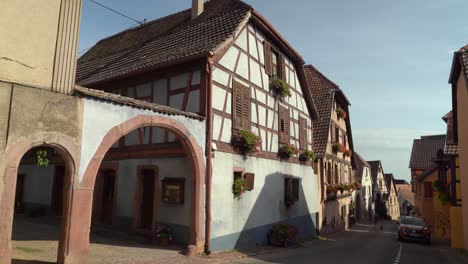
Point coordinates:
[(237, 105), (295, 189), (250, 178), (268, 63), (302, 133), (282, 73), (333, 137), (246, 108), (283, 128)]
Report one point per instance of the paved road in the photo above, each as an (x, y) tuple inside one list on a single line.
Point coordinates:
[(363, 244)]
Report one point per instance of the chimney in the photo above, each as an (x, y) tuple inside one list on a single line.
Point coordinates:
[(197, 8)]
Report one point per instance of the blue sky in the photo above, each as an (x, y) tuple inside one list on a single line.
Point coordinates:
[(392, 58)]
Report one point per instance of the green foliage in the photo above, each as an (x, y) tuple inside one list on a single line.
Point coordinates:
[(288, 150), (341, 113), (246, 141), (239, 186), (444, 198), (282, 87), (307, 155), (41, 158)]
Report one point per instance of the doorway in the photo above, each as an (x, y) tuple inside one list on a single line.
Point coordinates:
[(58, 189), (104, 197), (146, 198)]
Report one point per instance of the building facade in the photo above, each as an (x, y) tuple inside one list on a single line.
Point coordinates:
[(393, 208), (379, 188), (333, 146), (364, 196)]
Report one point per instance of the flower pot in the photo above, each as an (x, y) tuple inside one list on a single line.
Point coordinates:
[(163, 241)]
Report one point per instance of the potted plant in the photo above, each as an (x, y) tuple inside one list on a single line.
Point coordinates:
[(41, 158), (286, 151), (307, 155), (338, 147), (282, 234), (348, 153), (341, 113), (281, 87), (239, 186), (163, 234), (246, 142)]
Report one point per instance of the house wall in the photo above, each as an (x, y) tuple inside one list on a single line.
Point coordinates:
[(28, 111), (28, 53), (245, 223), (425, 206), (175, 215), (441, 228), (243, 62), (393, 206), (456, 213), (366, 195), (38, 184), (462, 110)]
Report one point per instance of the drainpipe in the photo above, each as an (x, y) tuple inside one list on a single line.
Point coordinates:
[(209, 169)]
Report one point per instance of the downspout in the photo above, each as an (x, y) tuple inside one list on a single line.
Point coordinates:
[(209, 167)]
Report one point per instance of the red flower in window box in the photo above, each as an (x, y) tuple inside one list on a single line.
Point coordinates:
[(338, 147), (286, 151), (246, 142), (348, 153), (341, 113)]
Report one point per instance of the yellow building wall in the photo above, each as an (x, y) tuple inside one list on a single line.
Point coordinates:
[(456, 227), (462, 109), (441, 227)]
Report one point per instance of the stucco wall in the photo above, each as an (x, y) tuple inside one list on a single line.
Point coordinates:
[(462, 104), (38, 183), (99, 117), (244, 223)]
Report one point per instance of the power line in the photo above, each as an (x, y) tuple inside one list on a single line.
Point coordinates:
[(117, 12)]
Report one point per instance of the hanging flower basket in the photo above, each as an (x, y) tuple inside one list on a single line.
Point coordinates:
[(348, 153), (239, 187), (338, 147), (341, 113), (41, 158), (281, 87), (307, 155), (286, 151), (246, 142)]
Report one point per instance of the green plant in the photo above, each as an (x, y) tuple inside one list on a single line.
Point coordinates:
[(341, 113), (338, 147), (444, 198), (348, 153), (41, 158), (163, 232), (442, 190), (282, 87), (239, 186), (307, 155), (247, 141), (288, 150)]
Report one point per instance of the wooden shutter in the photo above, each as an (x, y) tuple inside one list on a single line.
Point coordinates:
[(302, 133), (282, 69), (333, 136), (283, 126), (295, 189), (241, 106), (250, 178), (245, 108), (268, 62)]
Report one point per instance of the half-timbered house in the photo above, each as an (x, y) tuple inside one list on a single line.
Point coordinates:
[(333, 146), (224, 62)]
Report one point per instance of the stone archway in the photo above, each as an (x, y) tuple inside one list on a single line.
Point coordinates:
[(70, 152), (84, 193)]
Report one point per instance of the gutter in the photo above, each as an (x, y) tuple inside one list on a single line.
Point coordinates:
[(208, 153)]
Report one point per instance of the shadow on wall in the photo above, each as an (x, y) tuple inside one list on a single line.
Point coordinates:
[(332, 218), (268, 207)]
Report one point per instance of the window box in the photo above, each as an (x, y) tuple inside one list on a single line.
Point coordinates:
[(246, 142), (286, 151)]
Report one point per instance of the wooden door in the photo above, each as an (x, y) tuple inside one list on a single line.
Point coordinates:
[(19, 202), (58, 189), (148, 180), (104, 197)]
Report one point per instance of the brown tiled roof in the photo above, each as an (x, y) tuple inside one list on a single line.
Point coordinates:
[(451, 147), (82, 91), (321, 89), (374, 165), (425, 151), (162, 41), (360, 164), (404, 190)]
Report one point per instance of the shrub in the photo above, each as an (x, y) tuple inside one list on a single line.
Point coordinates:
[(246, 141), (239, 186), (281, 87)]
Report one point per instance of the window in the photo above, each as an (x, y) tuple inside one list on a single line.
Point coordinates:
[(302, 133), (291, 190), (283, 126), (173, 190), (333, 131), (241, 106), (428, 190), (274, 62), (248, 177)]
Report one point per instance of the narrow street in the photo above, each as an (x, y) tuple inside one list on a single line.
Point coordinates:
[(364, 244)]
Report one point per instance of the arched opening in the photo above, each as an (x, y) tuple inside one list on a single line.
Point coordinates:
[(148, 171), (41, 196)]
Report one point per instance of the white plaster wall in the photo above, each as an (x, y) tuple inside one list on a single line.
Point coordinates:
[(168, 168), (263, 205), (99, 117), (37, 183)]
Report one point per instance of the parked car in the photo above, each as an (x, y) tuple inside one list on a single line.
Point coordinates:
[(414, 229)]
